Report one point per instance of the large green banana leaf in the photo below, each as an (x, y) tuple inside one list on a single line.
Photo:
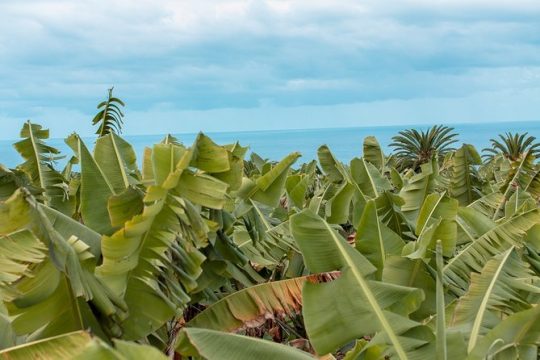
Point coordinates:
[(262, 238), (107, 181), (202, 189), (464, 181), (125, 205), (15, 213), (52, 296), (95, 189), (18, 252), (473, 223), (7, 335), (337, 208), (413, 273), (332, 321), (13, 179), (39, 159), (489, 204), (396, 179), (268, 188), (129, 351), (516, 337), (368, 178), (65, 346), (417, 188), (531, 182), (297, 187), (334, 170), (436, 206), (80, 345), (436, 221), (502, 288), (373, 153), (148, 163), (520, 176), (389, 211), (117, 159), (147, 166), (475, 255), (519, 202), (251, 307), (375, 240), (215, 345), (208, 156), (499, 170), (68, 227), (233, 176)]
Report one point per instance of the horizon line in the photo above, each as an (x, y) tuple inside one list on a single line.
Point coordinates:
[(303, 129)]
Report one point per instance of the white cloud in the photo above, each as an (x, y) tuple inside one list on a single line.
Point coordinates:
[(59, 56)]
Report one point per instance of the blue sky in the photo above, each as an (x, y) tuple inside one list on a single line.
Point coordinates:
[(185, 66)]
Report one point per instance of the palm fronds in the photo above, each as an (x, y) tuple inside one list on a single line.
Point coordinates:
[(413, 147), (512, 146), (109, 117)]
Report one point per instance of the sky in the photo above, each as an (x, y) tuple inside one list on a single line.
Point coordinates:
[(185, 66)]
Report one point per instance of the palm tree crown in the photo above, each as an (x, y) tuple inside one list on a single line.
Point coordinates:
[(413, 147), (512, 146)]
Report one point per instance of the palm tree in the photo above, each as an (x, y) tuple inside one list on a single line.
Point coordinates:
[(413, 148), (512, 146)]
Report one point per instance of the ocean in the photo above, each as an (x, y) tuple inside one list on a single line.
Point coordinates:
[(345, 143)]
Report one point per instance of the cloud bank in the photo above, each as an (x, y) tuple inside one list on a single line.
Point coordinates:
[(230, 65)]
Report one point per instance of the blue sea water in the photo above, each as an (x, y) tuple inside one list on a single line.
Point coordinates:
[(345, 143)]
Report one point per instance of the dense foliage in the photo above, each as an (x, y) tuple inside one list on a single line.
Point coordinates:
[(205, 252)]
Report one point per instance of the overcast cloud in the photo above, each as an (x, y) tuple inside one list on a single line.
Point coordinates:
[(184, 66)]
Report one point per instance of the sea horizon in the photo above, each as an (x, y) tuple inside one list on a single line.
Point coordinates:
[(345, 142)]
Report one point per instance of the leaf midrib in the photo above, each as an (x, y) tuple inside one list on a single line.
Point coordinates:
[(120, 162), (38, 162), (369, 296), (485, 299)]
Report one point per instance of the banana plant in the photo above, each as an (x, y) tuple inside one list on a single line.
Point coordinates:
[(331, 321), (38, 166), (154, 260), (501, 289), (51, 288)]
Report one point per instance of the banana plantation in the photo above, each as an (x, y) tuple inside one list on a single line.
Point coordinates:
[(207, 251)]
